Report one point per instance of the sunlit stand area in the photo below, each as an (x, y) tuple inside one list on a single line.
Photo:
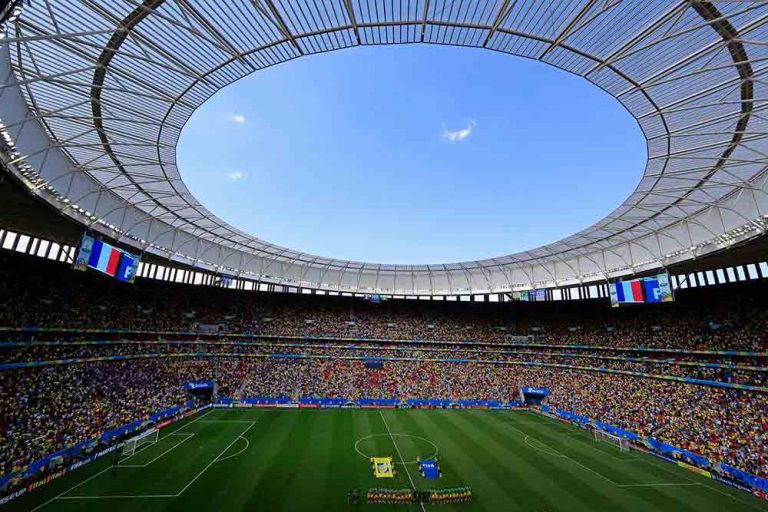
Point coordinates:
[(389, 396)]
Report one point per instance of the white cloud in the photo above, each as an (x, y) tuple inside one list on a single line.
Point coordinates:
[(458, 135), (237, 118), (236, 176)]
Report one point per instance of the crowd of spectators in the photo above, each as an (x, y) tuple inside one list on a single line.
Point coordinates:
[(702, 319), (46, 408), (748, 371)]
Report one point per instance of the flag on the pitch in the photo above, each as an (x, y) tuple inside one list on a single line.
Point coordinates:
[(104, 257), (429, 469), (382, 467)]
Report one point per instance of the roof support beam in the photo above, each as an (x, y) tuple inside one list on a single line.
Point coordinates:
[(568, 29), (352, 19), (649, 29), (271, 13), (501, 17), (215, 33), (424, 15)]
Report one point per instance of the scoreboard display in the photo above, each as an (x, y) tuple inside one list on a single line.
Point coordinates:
[(646, 290), (107, 259), (534, 295)]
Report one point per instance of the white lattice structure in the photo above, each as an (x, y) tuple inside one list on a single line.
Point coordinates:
[(96, 93)]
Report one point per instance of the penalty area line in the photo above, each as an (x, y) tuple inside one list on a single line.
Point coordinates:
[(621, 486), (185, 425), (186, 438), (587, 437), (216, 459), (174, 432), (526, 436), (701, 484), (554, 454), (226, 421), (247, 445), (118, 496), (61, 496), (150, 496)]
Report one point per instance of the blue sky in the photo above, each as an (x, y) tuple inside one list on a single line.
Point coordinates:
[(411, 154)]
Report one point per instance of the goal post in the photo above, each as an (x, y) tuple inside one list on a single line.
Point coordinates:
[(621, 443), (132, 445)]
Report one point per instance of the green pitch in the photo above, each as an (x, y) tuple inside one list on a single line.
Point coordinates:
[(298, 460)]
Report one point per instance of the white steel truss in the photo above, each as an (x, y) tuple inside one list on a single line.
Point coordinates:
[(95, 94)]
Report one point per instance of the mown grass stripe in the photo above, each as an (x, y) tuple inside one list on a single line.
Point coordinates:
[(583, 449), (461, 462), (544, 471), (310, 462), (295, 452), (514, 482), (216, 485), (344, 465), (253, 480)]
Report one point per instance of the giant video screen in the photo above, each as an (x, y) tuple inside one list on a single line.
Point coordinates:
[(646, 290), (535, 295), (107, 259)]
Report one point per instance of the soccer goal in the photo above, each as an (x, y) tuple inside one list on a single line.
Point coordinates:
[(620, 442), (133, 444)]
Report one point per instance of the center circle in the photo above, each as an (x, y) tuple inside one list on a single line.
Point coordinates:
[(431, 448)]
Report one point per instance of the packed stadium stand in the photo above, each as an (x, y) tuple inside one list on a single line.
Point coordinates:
[(91, 355)]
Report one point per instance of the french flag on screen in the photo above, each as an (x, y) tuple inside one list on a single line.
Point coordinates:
[(629, 291), (104, 257)]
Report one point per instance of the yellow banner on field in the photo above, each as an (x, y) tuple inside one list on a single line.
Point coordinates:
[(382, 467)]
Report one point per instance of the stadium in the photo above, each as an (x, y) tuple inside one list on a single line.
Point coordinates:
[(155, 357)]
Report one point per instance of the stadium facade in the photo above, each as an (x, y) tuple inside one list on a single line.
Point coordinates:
[(690, 72)]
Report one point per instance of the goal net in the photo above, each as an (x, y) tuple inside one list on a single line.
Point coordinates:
[(133, 444), (619, 442)]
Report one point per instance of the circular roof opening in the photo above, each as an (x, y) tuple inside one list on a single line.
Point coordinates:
[(411, 154), (685, 72)]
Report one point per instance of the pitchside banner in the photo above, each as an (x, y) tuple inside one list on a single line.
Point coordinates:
[(20, 491)]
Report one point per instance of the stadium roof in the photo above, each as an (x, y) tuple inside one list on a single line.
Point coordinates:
[(96, 93)]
